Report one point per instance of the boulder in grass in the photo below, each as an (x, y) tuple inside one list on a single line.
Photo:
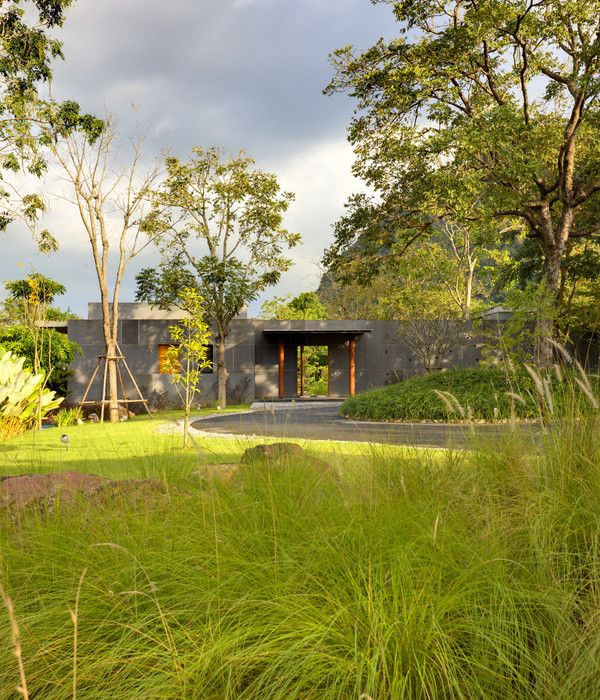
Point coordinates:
[(44, 491), (277, 453), (273, 453)]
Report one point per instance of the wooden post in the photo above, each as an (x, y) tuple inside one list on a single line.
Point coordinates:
[(352, 366), (302, 370), (281, 367)]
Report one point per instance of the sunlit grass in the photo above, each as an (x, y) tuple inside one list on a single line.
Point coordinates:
[(137, 449), (413, 574)]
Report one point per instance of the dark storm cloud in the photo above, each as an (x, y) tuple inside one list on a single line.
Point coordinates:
[(234, 73), (217, 71)]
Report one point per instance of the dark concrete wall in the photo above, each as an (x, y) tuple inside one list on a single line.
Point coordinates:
[(139, 340), (252, 356)]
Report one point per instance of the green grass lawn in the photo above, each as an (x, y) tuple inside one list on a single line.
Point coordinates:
[(136, 449), (415, 574)]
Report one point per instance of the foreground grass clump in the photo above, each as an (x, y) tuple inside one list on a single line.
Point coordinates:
[(471, 575), (476, 394)]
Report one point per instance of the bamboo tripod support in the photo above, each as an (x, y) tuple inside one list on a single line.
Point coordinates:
[(106, 359)]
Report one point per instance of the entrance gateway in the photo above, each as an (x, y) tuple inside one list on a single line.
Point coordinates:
[(288, 342)]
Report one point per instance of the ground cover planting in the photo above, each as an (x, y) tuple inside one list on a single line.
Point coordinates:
[(411, 574), (478, 394)]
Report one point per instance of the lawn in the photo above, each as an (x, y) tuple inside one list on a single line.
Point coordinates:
[(138, 449), (415, 574)]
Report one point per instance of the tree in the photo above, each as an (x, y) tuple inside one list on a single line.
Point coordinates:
[(27, 47), (577, 302), (47, 352), (305, 306), (112, 202), (187, 358), (348, 298), (31, 297), (481, 108), (217, 204), (35, 289)]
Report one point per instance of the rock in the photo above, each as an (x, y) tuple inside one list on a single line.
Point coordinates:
[(89, 410), (271, 452), (93, 418), (43, 490), (22, 491), (277, 453)]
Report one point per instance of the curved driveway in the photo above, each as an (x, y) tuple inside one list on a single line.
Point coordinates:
[(324, 423)]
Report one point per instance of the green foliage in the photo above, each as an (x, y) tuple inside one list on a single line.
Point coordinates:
[(65, 118), (21, 392), (27, 48), (316, 370), (30, 301), (187, 357), (518, 341), (477, 394), (54, 352), (34, 289), (66, 417), (236, 213), (305, 306), (485, 114), (345, 297), (218, 225)]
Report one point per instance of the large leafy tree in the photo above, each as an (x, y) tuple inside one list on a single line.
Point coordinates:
[(485, 111), (46, 351), (27, 48), (218, 225)]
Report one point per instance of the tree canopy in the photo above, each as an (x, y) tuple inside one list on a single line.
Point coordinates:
[(484, 112), (219, 226), (35, 288), (306, 305), (27, 48)]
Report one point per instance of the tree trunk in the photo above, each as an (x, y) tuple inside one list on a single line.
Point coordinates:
[(186, 424), (113, 406), (221, 372), (545, 324), (469, 288)]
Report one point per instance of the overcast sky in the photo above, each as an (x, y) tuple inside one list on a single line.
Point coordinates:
[(240, 74)]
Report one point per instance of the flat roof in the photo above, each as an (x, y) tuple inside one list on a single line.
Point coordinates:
[(315, 331)]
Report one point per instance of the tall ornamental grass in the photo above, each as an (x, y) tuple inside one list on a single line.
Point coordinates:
[(465, 575)]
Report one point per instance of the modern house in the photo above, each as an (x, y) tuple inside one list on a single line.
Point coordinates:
[(264, 358)]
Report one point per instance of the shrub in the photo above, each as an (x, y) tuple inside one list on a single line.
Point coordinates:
[(56, 352), (21, 396), (65, 417), (478, 394)]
